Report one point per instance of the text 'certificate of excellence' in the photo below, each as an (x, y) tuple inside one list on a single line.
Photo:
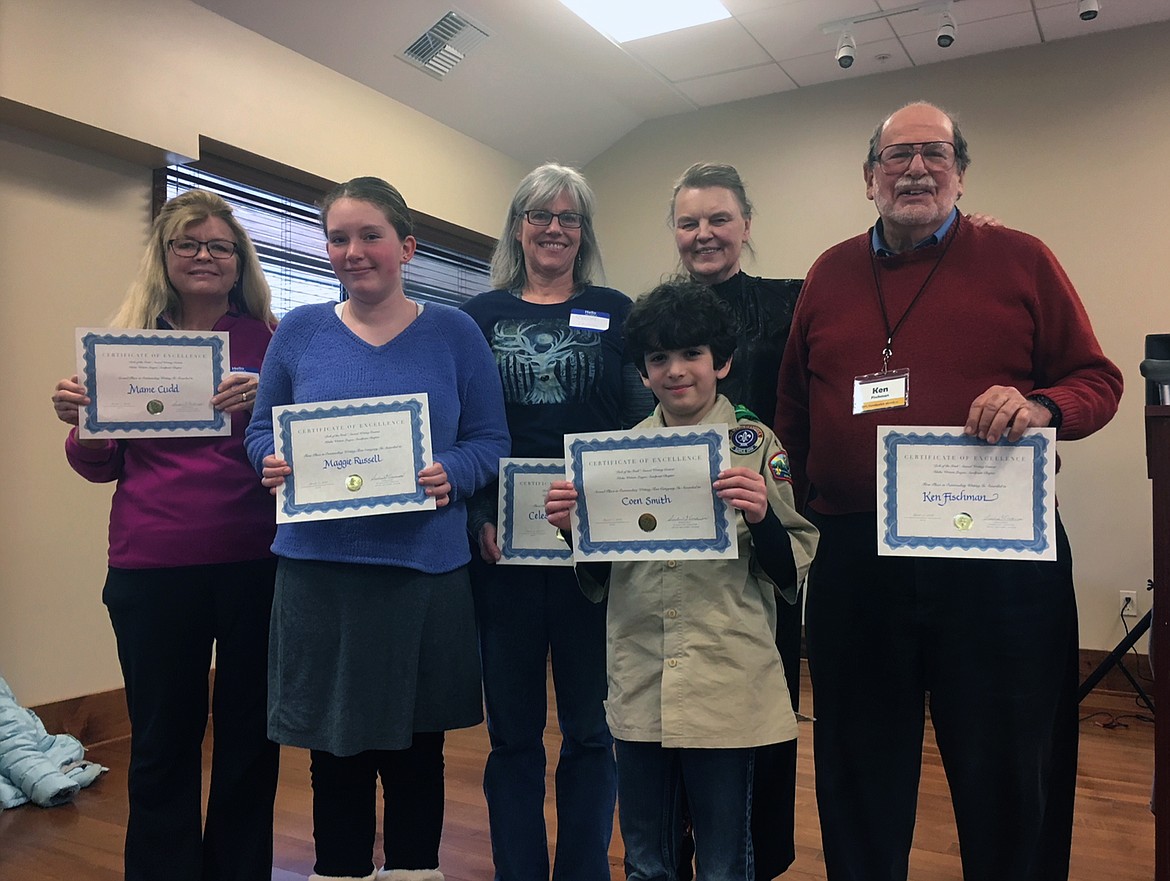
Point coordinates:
[(353, 458), (151, 383), (524, 535), (647, 494), (941, 493)]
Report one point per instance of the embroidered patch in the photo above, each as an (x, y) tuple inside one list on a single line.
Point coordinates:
[(778, 465), (745, 439)]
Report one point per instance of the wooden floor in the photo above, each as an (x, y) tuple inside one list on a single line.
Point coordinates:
[(1113, 838)]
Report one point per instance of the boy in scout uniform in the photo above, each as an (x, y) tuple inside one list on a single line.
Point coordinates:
[(695, 682)]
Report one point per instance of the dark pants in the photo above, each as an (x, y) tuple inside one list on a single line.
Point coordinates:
[(166, 621), (345, 812), (992, 646), (719, 786), (524, 614)]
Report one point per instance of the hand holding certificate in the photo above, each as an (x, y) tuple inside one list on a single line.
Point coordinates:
[(151, 383), (648, 494), (941, 493), (353, 458)]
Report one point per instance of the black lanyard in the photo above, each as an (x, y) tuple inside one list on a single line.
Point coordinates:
[(888, 351)]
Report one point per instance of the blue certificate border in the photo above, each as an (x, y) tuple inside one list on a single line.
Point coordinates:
[(510, 550), (91, 341), (891, 538), (709, 439), (309, 413)]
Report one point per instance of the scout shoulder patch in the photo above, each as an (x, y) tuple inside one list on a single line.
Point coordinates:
[(745, 439), (779, 468)]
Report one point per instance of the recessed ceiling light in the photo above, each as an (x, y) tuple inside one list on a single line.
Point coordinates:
[(625, 21)]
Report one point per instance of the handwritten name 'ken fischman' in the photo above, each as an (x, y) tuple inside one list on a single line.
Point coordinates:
[(945, 498)]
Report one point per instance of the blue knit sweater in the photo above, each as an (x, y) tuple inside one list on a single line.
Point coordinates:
[(315, 357)]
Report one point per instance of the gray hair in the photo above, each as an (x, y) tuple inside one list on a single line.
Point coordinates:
[(962, 154), (540, 188)]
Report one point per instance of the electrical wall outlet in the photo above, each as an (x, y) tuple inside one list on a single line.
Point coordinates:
[(1128, 603)]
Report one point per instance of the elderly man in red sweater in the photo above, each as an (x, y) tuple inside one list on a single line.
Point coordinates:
[(994, 339)]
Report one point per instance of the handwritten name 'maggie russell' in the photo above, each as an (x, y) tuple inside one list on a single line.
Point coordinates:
[(945, 498), (353, 460)]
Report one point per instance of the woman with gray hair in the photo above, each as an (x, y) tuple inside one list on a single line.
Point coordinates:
[(557, 340)]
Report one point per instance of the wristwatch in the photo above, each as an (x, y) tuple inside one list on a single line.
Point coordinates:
[(1050, 405)]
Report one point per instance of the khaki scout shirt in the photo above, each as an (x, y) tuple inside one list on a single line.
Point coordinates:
[(691, 651)]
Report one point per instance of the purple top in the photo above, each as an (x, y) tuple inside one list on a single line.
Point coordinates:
[(186, 501)]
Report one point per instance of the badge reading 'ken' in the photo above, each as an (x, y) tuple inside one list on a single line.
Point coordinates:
[(745, 439), (154, 407), (353, 483), (647, 523)]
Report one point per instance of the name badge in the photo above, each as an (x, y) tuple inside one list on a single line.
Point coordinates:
[(584, 319), (881, 391)]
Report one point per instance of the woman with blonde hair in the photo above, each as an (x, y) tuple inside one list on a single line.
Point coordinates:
[(190, 567)]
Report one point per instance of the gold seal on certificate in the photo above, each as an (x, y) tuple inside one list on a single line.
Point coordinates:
[(647, 522), (353, 483), (964, 521), (154, 407)]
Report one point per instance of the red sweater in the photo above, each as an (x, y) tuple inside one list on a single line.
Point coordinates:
[(998, 311)]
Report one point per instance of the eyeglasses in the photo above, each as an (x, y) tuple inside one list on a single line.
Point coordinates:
[(568, 219), (936, 156), (220, 249)]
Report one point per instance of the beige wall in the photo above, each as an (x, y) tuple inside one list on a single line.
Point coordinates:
[(1064, 138), (1069, 143), (144, 78)]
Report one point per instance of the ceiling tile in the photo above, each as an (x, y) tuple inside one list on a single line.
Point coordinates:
[(795, 29), (822, 68), (717, 47), (1061, 21), (972, 38), (737, 85), (963, 11)]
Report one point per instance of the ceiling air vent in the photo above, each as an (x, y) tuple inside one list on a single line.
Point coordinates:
[(444, 45)]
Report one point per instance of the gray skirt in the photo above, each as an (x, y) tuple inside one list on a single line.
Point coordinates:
[(360, 657)]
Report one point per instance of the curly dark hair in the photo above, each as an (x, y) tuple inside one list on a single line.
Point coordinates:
[(678, 314)]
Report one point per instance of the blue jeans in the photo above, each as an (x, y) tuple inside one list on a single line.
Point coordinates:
[(719, 792), (523, 614)]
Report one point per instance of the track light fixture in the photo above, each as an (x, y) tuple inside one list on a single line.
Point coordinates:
[(846, 50), (946, 29), (1088, 9), (845, 27)]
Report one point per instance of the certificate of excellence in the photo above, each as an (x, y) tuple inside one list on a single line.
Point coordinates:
[(353, 458), (941, 493), (151, 383), (647, 494), (523, 533)]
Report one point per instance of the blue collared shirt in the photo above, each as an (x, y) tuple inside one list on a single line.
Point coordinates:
[(881, 249)]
